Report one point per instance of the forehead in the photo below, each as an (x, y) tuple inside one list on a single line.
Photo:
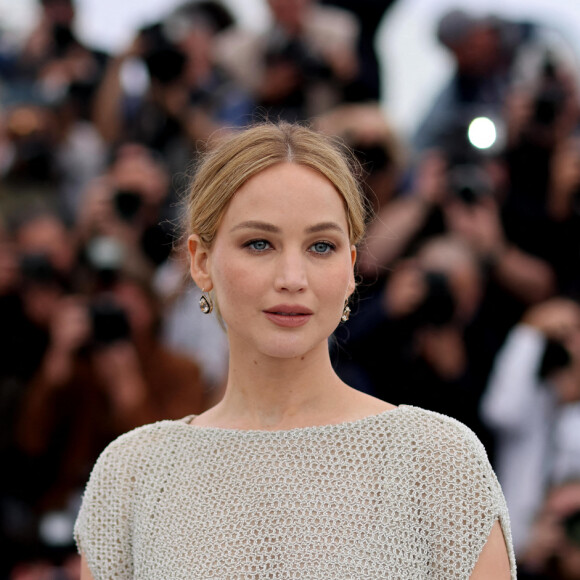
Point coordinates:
[(287, 192), (40, 231)]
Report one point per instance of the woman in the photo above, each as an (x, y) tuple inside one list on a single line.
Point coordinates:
[(293, 474)]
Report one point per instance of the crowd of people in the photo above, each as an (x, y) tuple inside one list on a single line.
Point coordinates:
[(468, 280)]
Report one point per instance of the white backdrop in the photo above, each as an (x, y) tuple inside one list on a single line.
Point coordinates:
[(414, 65)]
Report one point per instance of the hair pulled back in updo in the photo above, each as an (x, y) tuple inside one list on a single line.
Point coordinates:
[(238, 157)]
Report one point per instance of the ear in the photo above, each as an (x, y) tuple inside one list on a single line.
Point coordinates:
[(351, 282), (199, 262)]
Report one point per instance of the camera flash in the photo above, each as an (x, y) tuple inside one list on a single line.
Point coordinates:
[(482, 133)]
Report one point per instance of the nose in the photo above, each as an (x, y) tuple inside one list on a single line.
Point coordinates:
[(291, 275)]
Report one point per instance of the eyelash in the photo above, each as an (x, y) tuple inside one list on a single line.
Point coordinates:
[(252, 242), (330, 246)]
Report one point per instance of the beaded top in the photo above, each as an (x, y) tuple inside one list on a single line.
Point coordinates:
[(404, 494)]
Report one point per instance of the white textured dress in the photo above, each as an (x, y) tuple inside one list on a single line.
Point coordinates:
[(406, 494)]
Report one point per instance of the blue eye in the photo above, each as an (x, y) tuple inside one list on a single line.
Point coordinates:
[(322, 247), (258, 245)]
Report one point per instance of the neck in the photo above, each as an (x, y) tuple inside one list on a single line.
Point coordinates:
[(272, 393)]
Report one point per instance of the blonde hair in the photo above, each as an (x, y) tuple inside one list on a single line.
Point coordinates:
[(239, 157)]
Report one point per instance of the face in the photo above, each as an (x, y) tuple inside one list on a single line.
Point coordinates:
[(289, 13), (281, 264), (47, 235)]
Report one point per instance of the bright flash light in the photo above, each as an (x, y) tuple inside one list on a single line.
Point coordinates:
[(482, 133)]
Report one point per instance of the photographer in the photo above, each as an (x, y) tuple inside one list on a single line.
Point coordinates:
[(43, 250), (462, 199), (483, 50), (368, 132), (53, 58), (301, 66), (185, 95), (553, 552), (413, 214), (149, 112), (38, 268), (104, 372), (531, 404), (366, 86), (128, 204), (49, 151), (410, 340), (541, 159)]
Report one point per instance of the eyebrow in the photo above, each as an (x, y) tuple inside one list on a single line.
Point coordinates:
[(256, 225), (268, 227)]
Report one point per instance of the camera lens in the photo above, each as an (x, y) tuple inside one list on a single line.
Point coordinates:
[(110, 323), (127, 204), (572, 527)]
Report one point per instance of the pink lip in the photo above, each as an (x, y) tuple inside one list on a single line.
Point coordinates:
[(288, 315)]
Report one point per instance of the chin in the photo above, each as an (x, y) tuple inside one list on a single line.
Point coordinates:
[(291, 347), (277, 343), (286, 352)]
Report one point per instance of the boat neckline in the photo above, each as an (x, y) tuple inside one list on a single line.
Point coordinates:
[(186, 422)]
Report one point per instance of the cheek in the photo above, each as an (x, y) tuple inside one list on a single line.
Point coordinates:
[(336, 284), (234, 282)]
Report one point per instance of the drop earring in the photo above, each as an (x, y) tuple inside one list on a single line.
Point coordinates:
[(346, 312), (205, 303)]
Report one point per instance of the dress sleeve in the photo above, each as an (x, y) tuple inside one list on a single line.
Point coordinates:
[(103, 527), (462, 499)]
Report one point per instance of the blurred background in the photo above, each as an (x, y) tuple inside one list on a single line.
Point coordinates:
[(405, 37), (465, 119)]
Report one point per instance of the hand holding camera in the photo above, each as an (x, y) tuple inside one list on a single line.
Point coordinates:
[(425, 297), (117, 365), (432, 182), (70, 327), (110, 212), (70, 330), (479, 225), (557, 319)]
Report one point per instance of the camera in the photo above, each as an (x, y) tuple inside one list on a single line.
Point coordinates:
[(127, 204), (37, 268), (438, 306), (293, 51), (467, 176), (63, 39), (550, 97), (469, 183), (109, 321), (554, 358), (572, 527), (373, 157), (165, 62)]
